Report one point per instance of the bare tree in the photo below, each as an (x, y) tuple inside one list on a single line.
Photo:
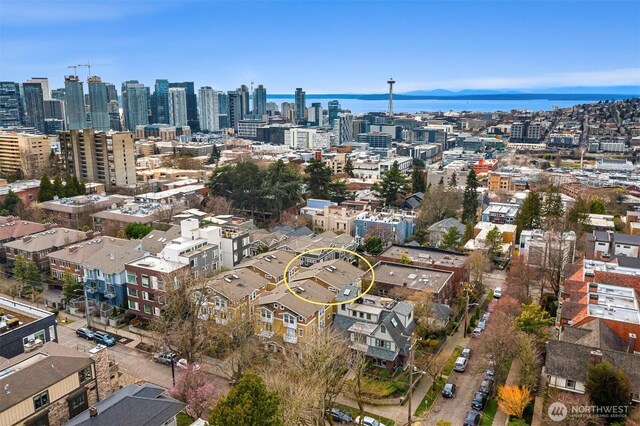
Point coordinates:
[(218, 205), (478, 263), (385, 233)]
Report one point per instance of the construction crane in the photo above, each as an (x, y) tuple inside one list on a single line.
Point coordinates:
[(75, 69), (88, 65)]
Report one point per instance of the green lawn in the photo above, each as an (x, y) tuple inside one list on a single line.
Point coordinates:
[(384, 387), (355, 413), (184, 419), (489, 413), (437, 386)]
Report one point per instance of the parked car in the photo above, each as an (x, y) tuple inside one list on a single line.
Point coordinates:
[(497, 293), (482, 325), (449, 390), (340, 416), (479, 401), (472, 419), (164, 357), (476, 332), (466, 353), (182, 364), (85, 333), (486, 316), (486, 387), (488, 375), (103, 338), (461, 364), (368, 421)]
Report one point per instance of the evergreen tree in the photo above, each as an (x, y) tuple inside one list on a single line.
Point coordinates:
[(608, 386), (470, 199), (348, 167), (12, 204), (597, 207), (70, 189), (338, 191), (58, 187), (529, 214), (453, 181), (248, 403), (215, 155), (318, 179), (451, 239), (281, 187), (552, 207), (392, 185), (135, 231), (71, 288), (81, 188), (468, 232), (418, 183), (45, 193)]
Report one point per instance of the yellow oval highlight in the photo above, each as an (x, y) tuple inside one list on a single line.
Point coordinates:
[(286, 273)]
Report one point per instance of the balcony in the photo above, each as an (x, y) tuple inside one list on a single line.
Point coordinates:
[(92, 288), (110, 291), (268, 320), (293, 325), (291, 339)]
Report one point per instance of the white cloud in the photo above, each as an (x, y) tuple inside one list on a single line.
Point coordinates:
[(616, 77)]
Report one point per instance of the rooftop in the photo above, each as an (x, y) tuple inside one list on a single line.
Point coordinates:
[(335, 273), (53, 238), (14, 228), (157, 196), (426, 255), (237, 284), (410, 276), (307, 289), (387, 217), (79, 253), (156, 264), (133, 212), (613, 303), (272, 263), (82, 202)]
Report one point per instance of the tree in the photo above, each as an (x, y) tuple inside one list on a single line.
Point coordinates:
[(451, 239), (13, 204), (493, 243), (338, 191), (597, 207), (218, 205), (405, 259), (529, 214), (478, 264), (318, 178), (215, 155), (470, 199), (281, 188), (392, 186), (522, 277), (418, 183), (439, 203), (552, 208), (45, 193), (19, 272), (58, 187), (534, 320), (195, 389), (530, 360), (373, 245), (468, 232), (71, 288), (607, 385), (81, 188), (424, 313), (136, 231), (453, 181), (513, 400), (248, 403), (70, 189), (348, 167)]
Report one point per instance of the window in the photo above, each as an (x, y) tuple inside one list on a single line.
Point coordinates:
[(145, 281), (133, 305), (383, 329), (132, 292), (85, 374), (35, 336), (354, 313), (52, 333), (77, 403), (147, 309), (300, 332), (369, 316), (343, 307), (378, 362), (41, 400), (288, 319), (571, 384)]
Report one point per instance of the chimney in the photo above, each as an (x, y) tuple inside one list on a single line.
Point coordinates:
[(595, 357), (632, 343), (93, 411)]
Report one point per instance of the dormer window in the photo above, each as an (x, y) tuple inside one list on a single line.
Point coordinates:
[(383, 329)]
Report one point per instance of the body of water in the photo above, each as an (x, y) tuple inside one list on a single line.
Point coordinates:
[(433, 105)]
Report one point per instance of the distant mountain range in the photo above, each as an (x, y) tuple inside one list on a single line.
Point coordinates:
[(576, 93)]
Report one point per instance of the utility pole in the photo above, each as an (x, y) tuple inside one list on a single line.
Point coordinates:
[(466, 312)]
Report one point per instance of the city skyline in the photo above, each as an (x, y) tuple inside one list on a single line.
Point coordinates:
[(351, 47)]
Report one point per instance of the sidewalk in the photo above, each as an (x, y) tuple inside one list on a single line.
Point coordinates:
[(501, 419)]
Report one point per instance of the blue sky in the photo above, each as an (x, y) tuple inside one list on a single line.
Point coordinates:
[(327, 47)]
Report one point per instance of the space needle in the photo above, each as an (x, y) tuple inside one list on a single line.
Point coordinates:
[(391, 82)]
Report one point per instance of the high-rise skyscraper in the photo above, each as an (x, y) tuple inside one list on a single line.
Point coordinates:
[(135, 104), (98, 100), (10, 104), (235, 108), (34, 105), (44, 82), (192, 104), (54, 117), (112, 92), (208, 109), (244, 99), (114, 116), (288, 111), (24, 155), (315, 114), (160, 102), (260, 100), (223, 110), (74, 103), (178, 106), (301, 104), (334, 110), (344, 128), (58, 94)]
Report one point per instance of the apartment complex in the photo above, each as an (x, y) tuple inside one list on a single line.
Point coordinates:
[(23, 154), (109, 158)]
